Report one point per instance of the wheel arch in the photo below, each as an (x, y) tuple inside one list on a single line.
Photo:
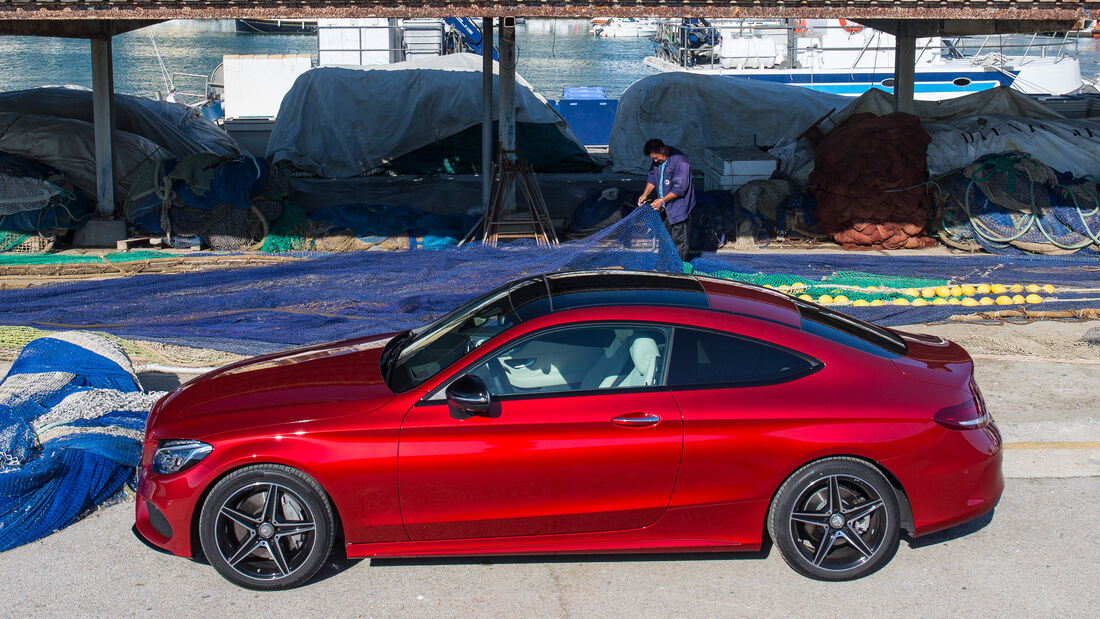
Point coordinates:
[(193, 530), (905, 507)]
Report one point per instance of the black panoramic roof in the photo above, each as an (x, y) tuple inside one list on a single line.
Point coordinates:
[(555, 292)]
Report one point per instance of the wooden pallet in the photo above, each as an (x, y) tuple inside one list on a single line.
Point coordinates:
[(496, 224)]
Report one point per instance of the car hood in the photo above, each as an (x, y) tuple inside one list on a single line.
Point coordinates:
[(294, 386)]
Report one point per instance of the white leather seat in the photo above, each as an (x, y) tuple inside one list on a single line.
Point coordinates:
[(645, 355)]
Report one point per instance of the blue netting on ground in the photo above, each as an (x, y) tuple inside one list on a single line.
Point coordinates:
[(72, 416), (318, 299), (1076, 276)]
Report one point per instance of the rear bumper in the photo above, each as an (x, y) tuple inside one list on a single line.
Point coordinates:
[(957, 480)]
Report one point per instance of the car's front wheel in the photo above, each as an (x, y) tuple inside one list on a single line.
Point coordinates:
[(835, 519), (267, 527)]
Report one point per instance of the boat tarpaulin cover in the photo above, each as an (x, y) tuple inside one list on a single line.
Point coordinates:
[(339, 122), (72, 418), (175, 127), (692, 112)]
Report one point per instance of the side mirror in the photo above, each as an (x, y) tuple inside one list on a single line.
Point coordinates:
[(469, 396)]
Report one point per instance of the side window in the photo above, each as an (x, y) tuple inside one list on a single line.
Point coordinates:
[(587, 358), (704, 358)]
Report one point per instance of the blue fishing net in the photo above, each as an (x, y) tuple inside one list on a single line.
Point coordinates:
[(323, 297), (72, 416)]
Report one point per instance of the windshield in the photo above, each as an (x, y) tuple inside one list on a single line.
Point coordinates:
[(437, 345)]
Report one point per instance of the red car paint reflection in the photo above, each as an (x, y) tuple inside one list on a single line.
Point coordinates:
[(628, 412)]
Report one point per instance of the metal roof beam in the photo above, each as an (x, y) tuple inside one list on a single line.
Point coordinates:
[(71, 28)]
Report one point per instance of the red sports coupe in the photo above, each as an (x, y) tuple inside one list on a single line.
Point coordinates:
[(573, 413)]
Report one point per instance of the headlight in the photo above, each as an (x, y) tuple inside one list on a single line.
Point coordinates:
[(176, 455)]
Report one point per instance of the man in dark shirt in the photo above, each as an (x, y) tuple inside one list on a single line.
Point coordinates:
[(670, 175)]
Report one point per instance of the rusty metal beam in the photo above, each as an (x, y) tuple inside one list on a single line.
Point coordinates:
[(960, 27), (964, 10), (73, 28)]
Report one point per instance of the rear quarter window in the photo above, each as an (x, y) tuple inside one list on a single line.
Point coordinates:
[(709, 359)]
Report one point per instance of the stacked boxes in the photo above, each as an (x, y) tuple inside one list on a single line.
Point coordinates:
[(727, 168)]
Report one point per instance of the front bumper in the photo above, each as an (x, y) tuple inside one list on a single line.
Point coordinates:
[(165, 508)]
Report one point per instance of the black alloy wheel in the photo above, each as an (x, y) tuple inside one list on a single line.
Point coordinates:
[(267, 527), (835, 519)]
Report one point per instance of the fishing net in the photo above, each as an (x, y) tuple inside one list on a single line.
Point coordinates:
[(323, 297), (1010, 203), (869, 181), (72, 418)]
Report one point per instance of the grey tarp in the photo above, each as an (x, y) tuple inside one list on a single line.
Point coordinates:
[(691, 112), (340, 122), (69, 146), (176, 128)]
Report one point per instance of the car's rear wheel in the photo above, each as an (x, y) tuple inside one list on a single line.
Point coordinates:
[(267, 527), (835, 519)]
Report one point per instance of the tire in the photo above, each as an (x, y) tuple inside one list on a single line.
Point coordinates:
[(267, 527), (825, 543)]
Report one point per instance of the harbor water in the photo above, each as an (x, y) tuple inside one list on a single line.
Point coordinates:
[(551, 54)]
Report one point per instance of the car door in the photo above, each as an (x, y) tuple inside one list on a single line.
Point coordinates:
[(584, 436)]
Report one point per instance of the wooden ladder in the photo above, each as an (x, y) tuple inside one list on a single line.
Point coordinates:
[(531, 223)]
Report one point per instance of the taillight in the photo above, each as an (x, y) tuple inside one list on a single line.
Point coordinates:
[(966, 416)]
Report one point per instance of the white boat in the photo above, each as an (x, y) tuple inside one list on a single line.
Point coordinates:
[(625, 27), (846, 58)]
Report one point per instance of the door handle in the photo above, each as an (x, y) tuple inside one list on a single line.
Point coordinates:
[(634, 420)]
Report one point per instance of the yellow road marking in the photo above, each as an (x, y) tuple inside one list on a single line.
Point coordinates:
[(1053, 445)]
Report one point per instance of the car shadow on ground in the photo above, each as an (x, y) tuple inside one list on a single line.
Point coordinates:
[(948, 535), (574, 558)]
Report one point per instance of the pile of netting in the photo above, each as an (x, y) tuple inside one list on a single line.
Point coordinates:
[(323, 297), (36, 203), (897, 290), (1011, 203), (869, 181), (72, 418), (224, 202)]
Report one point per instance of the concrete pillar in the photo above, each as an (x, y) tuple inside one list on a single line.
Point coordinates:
[(507, 83), (905, 58), (486, 109), (103, 108)]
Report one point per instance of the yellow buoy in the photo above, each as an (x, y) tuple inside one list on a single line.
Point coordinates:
[(1032, 288), (1018, 299), (982, 289), (998, 289), (1033, 298), (911, 292), (878, 303), (784, 288), (928, 293), (968, 290), (1016, 288), (943, 291), (986, 301), (939, 301), (919, 302), (1047, 288), (798, 285), (824, 299), (805, 297), (970, 301), (841, 299), (954, 301), (860, 303), (901, 302), (956, 291), (1004, 300)]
